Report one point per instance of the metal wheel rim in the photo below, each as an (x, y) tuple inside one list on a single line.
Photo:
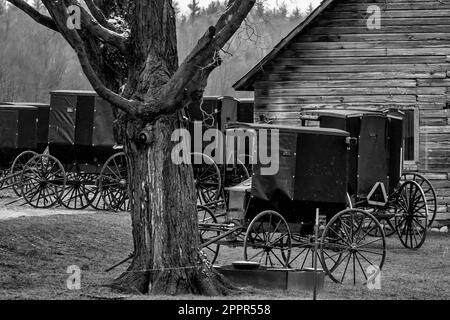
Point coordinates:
[(205, 215), (19, 163), (345, 242), (267, 241), (411, 217), (43, 168), (429, 192), (208, 180)]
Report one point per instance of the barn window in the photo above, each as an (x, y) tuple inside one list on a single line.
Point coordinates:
[(411, 136)]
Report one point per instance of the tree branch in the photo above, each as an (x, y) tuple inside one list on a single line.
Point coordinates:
[(197, 64), (34, 14), (96, 29), (98, 14), (60, 16)]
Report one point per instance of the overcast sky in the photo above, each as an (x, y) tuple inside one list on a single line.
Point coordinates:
[(302, 4)]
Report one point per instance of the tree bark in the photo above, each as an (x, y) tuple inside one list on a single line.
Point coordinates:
[(164, 215)]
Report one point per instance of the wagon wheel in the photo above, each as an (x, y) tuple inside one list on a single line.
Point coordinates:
[(76, 195), (268, 240), (386, 221), (235, 174), (206, 216), (429, 192), (16, 169), (207, 179), (411, 215), (3, 176), (302, 252), (388, 228), (113, 182), (347, 250), (43, 181)]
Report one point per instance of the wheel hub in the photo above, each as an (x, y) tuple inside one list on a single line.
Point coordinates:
[(123, 183)]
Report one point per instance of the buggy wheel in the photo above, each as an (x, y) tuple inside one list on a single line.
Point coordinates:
[(3, 179), (386, 221), (302, 252), (268, 240), (207, 179), (113, 182), (206, 216), (347, 250), (16, 169), (411, 215), (76, 193), (235, 174), (429, 192), (388, 228), (43, 181)]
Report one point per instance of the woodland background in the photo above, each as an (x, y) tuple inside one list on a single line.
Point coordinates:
[(35, 60)]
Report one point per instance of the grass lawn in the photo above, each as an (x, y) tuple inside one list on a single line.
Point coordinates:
[(36, 251)]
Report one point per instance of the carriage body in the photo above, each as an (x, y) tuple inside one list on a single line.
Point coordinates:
[(377, 154), (312, 173), (42, 126), (18, 132), (80, 128)]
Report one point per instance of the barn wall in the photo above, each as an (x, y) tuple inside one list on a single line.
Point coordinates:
[(338, 61)]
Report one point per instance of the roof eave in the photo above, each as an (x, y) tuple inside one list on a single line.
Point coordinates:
[(246, 82)]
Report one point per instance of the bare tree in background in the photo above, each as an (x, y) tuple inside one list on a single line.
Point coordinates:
[(133, 44)]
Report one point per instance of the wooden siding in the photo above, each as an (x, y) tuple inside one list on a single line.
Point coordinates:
[(338, 61)]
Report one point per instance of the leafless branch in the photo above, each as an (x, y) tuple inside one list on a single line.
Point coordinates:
[(204, 53), (34, 14), (98, 14)]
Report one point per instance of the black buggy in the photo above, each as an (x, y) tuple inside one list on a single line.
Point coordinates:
[(404, 203), (272, 216), (21, 139), (83, 165)]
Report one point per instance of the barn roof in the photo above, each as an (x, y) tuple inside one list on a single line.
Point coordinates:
[(246, 82)]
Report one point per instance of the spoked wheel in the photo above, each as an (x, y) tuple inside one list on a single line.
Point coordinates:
[(3, 179), (388, 228), (268, 240), (347, 250), (302, 252), (43, 181), (206, 216), (386, 221), (429, 192), (411, 215), (76, 193), (235, 174), (16, 169), (207, 178), (113, 182)]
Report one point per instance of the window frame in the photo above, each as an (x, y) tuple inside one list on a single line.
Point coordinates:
[(413, 164)]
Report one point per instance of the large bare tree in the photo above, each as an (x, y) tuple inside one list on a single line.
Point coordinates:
[(128, 51)]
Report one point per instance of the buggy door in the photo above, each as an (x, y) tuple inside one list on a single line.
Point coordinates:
[(373, 152)]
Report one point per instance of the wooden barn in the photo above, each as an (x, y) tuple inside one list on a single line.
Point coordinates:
[(340, 57)]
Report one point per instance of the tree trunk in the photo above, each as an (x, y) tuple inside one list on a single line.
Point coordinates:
[(165, 232)]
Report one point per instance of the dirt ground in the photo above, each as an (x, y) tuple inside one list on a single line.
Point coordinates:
[(37, 247)]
